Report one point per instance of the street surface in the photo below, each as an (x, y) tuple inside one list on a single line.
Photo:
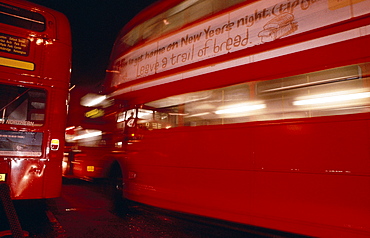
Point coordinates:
[(85, 211)]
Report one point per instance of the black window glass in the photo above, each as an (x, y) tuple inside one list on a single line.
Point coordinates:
[(21, 18)]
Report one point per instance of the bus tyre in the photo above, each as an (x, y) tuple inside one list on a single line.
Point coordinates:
[(115, 191)]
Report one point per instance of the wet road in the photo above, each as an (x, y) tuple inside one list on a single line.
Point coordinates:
[(85, 210)]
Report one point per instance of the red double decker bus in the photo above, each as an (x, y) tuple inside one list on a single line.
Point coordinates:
[(253, 112), (35, 63)]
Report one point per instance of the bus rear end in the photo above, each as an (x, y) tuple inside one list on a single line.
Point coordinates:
[(35, 55)]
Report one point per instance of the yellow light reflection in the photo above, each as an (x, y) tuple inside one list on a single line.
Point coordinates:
[(39, 41)]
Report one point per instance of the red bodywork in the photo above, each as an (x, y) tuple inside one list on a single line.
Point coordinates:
[(308, 176), (49, 51)]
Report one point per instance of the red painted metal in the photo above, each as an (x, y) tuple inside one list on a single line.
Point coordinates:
[(305, 175), (30, 175)]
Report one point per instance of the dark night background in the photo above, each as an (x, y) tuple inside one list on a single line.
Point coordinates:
[(95, 25)]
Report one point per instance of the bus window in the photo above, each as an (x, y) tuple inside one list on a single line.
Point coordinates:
[(18, 17), (22, 106), (164, 120), (145, 118), (282, 98), (153, 120), (130, 118), (211, 107), (121, 120), (329, 92), (173, 19)]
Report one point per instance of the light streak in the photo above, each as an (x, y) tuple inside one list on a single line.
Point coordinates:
[(88, 135), (241, 109), (332, 99)]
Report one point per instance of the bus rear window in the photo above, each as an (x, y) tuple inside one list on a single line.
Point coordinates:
[(18, 17), (22, 106), (20, 143)]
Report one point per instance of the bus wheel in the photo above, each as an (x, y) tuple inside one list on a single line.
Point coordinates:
[(115, 184)]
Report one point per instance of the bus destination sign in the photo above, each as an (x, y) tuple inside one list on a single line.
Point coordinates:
[(14, 45)]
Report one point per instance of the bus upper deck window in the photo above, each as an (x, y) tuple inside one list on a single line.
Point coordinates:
[(19, 17)]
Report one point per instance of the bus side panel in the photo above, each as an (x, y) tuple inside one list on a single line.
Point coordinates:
[(92, 162), (57, 121), (315, 174), (58, 57), (211, 176), (215, 169), (273, 178), (53, 178)]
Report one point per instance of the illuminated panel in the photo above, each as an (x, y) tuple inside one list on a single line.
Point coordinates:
[(18, 143), (90, 168), (19, 64), (245, 27), (14, 45)]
